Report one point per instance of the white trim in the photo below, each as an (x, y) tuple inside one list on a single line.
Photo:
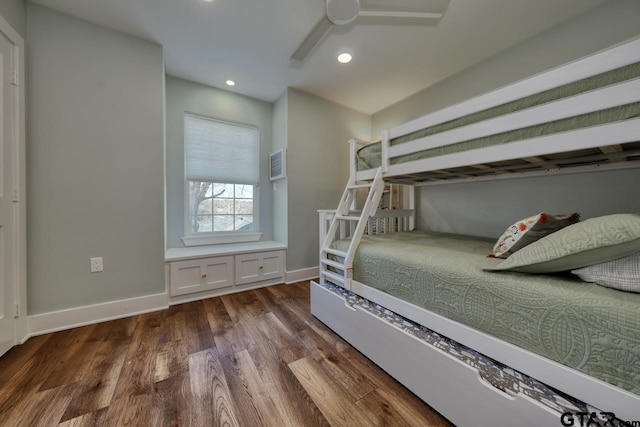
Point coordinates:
[(80, 316), (220, 238), (19, 181), (179, 254), (164, 150), (301, 275)]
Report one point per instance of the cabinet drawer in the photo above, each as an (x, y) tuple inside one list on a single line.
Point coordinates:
[(259, 266), (201, 275)]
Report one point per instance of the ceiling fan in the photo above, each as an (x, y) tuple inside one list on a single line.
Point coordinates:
[(343, 12)]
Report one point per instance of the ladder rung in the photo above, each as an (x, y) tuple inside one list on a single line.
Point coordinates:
[(348, 217), (356, 186), (335, 252), (334, 277), (333, 264)]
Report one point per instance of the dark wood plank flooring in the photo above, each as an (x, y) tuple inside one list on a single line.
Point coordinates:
[(248, 359)]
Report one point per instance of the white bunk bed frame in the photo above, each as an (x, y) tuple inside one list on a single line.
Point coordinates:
[(451, 387)]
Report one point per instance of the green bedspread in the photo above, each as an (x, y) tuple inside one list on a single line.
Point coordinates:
[(587, 327)]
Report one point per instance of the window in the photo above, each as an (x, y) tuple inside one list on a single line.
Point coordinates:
[(220, 207), (222, 174)]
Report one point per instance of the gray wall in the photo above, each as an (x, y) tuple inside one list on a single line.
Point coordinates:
[(14, 12), (183, 95), (94, 163), (280, 187), (318, 132), (487, 208)]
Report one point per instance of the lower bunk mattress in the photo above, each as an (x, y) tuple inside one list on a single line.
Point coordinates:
[(584, 326)]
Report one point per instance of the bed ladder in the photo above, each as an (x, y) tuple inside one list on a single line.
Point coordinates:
[(342, 262)]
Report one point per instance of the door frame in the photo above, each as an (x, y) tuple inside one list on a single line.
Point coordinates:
[(19, 182)]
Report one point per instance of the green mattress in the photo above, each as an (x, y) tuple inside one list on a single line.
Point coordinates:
[(587, 327)]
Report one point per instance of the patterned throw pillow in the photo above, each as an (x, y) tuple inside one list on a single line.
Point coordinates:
[(622, 273), (594, 241), (528, 230)]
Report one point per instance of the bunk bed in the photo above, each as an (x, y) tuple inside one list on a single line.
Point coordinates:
[(478, 364)]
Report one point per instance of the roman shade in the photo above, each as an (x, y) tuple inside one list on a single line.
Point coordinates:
[(220, 151)]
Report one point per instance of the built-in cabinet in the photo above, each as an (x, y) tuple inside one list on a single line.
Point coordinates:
[(258, 267), (200, 275), (225, 269)]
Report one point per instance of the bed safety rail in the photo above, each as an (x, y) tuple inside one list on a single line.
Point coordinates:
[(555, 120), (383, 222)]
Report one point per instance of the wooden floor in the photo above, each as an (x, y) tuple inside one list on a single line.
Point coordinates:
[(247, 359)]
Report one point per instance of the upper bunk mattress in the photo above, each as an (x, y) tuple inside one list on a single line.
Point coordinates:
[(587, 327)]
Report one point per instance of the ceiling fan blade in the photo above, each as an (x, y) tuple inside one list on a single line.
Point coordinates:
[(433, 9), (312, 39)]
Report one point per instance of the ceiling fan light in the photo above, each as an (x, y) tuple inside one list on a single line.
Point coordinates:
[(344, 58), (342, 12)]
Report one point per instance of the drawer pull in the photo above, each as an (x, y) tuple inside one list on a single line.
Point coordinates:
[(261, 267), (204, 275)]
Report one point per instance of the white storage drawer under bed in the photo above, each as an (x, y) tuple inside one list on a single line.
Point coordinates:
[(448, 385)]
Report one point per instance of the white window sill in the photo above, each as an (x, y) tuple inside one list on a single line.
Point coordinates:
[(220, 238), (195, 252)]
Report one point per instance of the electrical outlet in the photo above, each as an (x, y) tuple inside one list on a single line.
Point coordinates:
[(96, 264)]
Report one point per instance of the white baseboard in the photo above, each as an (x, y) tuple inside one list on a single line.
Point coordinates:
[(54, 321), (80, 316), (301, 275)]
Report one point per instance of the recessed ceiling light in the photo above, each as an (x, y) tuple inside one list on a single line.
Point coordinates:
[(345, 57), (231, 83), (208, 1)]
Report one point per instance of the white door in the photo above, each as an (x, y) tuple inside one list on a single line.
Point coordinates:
[(8, 212)]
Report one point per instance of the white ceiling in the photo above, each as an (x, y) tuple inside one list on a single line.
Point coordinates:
[(250, 41)]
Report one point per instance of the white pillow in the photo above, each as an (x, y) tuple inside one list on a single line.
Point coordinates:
[(622, 273)]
